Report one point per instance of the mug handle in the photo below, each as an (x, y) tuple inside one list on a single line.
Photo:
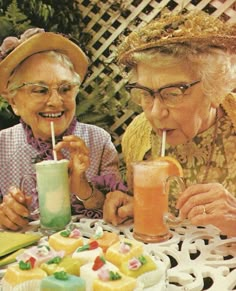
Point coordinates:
[(169, 217), (23, 180)]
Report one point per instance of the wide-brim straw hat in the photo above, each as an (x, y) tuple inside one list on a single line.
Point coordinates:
[(39, 42), (194, 29)]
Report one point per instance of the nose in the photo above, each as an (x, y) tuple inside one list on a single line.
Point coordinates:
[(159, 109), (54, 97)]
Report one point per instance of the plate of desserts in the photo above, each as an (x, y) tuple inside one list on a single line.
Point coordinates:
[(66, 260)]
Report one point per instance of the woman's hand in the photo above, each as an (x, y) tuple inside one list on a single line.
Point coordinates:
[(79, 163), (79, 154), (13, 210), (118, 207), (209, 203)]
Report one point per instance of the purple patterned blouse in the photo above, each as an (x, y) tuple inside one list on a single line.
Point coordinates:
[(19, 150)]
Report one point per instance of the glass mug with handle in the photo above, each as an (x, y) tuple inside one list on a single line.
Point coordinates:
[(53, 194), (151, 181)]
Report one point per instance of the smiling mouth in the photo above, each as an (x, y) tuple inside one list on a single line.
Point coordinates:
[(51, 115)]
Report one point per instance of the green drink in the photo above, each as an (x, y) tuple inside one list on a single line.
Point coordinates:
[(54, 194)]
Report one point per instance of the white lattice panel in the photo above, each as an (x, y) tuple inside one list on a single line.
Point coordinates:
[(107, 20)]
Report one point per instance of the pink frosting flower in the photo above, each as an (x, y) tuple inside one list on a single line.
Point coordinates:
[(124, 248), (104, 274), (75, 233), (134, 264)]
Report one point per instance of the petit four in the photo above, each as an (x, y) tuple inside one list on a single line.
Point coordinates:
[(23, 276), (88, 252), (104, 238), (143, 268), (61, 281), (89, 272), (123, 250), (67, 240)]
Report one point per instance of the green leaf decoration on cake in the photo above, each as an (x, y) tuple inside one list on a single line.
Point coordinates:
[(142, 260), (55, 260), (114, 276), (25, 265), (65, 233), (90, 246), (61, 275)]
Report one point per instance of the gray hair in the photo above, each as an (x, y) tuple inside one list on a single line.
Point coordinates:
[(60, 57), (216, 68)]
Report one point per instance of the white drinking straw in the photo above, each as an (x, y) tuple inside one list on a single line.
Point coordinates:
[(53, 140), (163, 143)]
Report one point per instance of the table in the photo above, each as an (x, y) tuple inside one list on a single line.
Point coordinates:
[(194, 259)]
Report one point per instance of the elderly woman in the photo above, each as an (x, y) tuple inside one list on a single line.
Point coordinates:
[(40, 77), (183, 74)]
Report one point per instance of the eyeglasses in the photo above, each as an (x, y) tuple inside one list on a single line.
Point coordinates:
[(171, 95), (39, 91)]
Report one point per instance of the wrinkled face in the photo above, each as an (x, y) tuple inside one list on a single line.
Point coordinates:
[(186, 119), (39, 112)]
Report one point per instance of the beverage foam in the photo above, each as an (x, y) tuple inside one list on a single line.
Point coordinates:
[(150, 173)]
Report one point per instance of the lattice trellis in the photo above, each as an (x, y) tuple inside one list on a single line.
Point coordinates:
[(107, 20)]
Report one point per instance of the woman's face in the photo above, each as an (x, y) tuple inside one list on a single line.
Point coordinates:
[(38, 113), (193, 115)]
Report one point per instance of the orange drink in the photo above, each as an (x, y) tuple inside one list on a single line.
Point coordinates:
[(151, 199)]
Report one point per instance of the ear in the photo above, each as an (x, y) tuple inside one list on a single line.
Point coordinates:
[(11, 101)]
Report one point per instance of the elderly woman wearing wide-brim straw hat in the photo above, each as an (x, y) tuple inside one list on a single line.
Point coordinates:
[(182, 72), (40, 75)]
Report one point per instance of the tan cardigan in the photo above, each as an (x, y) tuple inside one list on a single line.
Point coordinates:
[(136, 140)]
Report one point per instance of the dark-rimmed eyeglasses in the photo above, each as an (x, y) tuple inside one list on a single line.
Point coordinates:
[(40, 91), (170, 95)]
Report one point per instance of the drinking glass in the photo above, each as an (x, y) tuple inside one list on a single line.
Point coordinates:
[(151, 180), (52, 183)]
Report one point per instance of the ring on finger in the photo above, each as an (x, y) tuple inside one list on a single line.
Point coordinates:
[(204, 210)]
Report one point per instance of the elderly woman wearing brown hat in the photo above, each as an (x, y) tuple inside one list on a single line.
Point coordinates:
[(40, 77), (183, 74)]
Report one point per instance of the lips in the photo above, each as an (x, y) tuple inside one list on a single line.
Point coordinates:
[(51, 114)]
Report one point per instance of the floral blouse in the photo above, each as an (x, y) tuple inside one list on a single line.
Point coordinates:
[(194, 157)]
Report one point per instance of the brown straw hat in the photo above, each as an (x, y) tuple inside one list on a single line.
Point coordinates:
[(196, 29), (13, 51)]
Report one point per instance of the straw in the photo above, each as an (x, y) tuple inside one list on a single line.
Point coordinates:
[(163, 143), (53, 140)]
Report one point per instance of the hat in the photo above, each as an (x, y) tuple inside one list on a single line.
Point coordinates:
[(195, 28), (13, 51)]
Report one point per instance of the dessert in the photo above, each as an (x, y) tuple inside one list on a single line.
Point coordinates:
[(104, 238), (113, 281), (40, 254), (143, 268), (88, 252), (61, 281), (67, 264), (123, 250), (23, 276), (89, 272), (67, 240)]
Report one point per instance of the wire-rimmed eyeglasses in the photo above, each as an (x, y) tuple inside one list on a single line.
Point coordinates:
[(38, 91), (170, 95)]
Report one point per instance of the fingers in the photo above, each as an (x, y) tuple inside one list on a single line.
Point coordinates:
[(72, 143), (11, 214), (200, 194), (116, 207)]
